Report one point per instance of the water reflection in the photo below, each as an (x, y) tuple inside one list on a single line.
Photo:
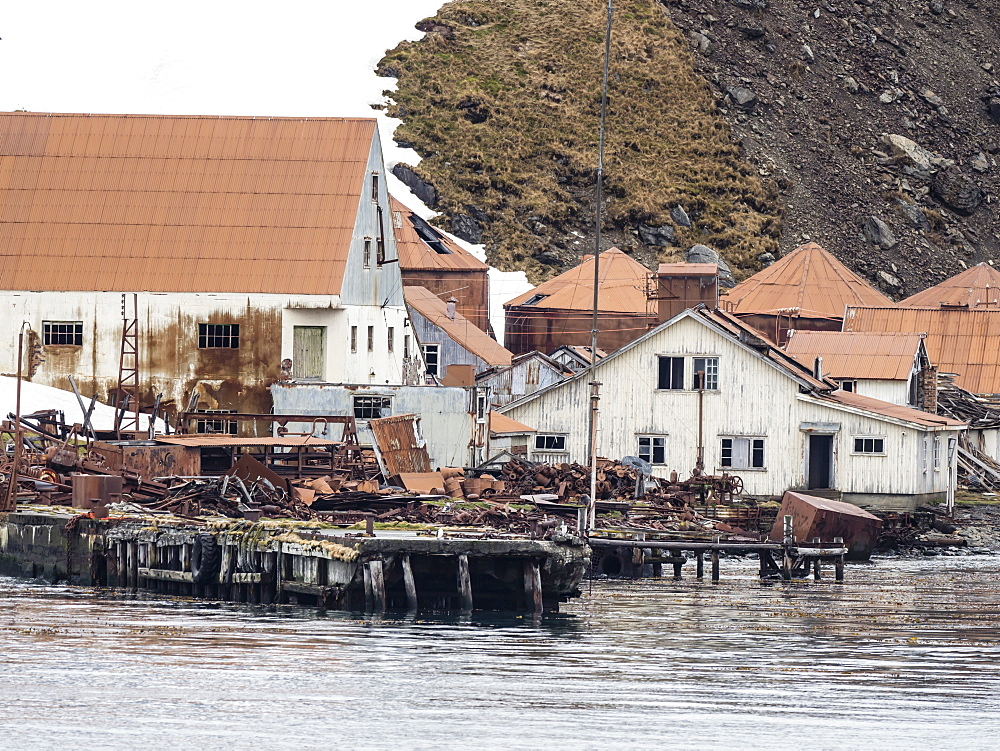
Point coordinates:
[(901, 655)]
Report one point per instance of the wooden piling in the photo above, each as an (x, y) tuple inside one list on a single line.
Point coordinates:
[(816, 569), (787, 563), (369, 598), (677, 568), (839, 568), (464, 582), (409, 584), (715, 566), (378, 584), (533, 586), (699, 558)]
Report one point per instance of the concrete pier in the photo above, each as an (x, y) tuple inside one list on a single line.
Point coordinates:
[(273, 562)]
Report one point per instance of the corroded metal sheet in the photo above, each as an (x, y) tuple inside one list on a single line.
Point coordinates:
[(400, 445)]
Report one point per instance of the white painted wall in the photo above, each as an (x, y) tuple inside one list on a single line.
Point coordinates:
[(894, 392), (754, 399)]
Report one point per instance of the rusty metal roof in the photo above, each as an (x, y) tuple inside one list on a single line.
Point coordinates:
[(808, 282), (459, 329), (897, 411), (416, 252), (687, 269), (622, 286), (400, 444), (502, 424), (203, 440), (978, 287), (959, 340), (179, 203), (851, 354)]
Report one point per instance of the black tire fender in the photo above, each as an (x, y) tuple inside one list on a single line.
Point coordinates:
[(206, 558)]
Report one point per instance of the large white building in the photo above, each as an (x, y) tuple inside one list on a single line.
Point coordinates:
[(761, 415), (258, 249)]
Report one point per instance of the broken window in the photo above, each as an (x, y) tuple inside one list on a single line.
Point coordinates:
[(371, 407), (709, 366), (653, 449), (549, 442), (218, 336), (219, 426), (869, 445), (371, 338), (742, 453), (62, 333), (432, 358), (671, 373), (406, 346), (354, 338)]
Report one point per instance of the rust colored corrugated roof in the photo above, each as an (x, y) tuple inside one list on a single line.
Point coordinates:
[(808, 281), (857, 355), (959, 340), (417, 252), (687, 269), (977, 287), (622, 285), (288, 441), (919, 417), (459, 328), (179, 203), (503, 424)]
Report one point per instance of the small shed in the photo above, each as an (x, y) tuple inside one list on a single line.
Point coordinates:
[(824, 519)]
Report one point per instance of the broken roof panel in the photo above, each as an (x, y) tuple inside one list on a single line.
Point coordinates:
[(808, 282), (179, 203), (977, 287), (422, 246), (959, 340), (622, 287), (896, 411), (880, 356), (458, 328)]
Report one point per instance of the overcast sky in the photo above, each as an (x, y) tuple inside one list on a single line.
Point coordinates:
[(211, 57)]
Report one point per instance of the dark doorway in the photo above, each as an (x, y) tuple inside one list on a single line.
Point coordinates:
[(820, 461)]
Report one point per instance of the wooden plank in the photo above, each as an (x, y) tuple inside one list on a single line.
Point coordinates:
[(247, 578), (465, 582), (164, 574), (409, 584)]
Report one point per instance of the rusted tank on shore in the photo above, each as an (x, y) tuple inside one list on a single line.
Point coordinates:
[(814, 517)]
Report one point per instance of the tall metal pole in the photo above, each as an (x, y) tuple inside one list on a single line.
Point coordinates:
[(595, 387), (10, 500)]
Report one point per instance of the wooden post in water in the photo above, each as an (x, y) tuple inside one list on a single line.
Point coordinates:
[(839, 568), (368, 586), (533, 586), (816, 569), (715, 565), (787, 562), (677, 566), (699, 558), (409, 584), (763, 563), (464, 582), (378, 584)]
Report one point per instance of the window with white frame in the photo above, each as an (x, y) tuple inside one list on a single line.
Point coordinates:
[(936, 453), (653, 449), (710, 367), (550, 442), (851, 386), (742, 453), (670, 373), (432, 358), (370, 407), (60, 333), (869, 444)]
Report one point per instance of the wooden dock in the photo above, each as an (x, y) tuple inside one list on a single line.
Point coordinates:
[(630, 556)]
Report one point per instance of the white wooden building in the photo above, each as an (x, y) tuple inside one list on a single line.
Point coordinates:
[(765, 417), (260, 249), (892, 367)]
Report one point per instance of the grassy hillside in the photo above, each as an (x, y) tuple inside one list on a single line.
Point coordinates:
[(501, 99)]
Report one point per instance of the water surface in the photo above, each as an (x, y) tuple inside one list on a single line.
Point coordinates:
[(903, 655)]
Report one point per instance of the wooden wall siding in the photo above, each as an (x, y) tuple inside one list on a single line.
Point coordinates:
[(895, 392), (754, 399), (522, 378), (470, 287), (450, 352)]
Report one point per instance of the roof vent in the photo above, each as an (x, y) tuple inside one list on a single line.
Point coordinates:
[(451, 307)]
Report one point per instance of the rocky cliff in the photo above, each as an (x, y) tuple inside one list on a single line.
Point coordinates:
[(871, 127)]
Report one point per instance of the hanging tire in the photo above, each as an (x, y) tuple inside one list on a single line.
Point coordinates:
[(206, 559)]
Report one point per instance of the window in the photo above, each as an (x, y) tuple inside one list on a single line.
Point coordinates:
[(431, 354), (380, 251), (671, 373), (481, 407), (370, 407), (406, 346), (62, 333), (371, 338), (218, 336), (391, 338), (869, 445), (374, 186), (743, 453), (652, 449), (368, 253), (937, 454), (710, 367), (545, 442), (354, 338), (220, 426), (534, 300), (848, 386)]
